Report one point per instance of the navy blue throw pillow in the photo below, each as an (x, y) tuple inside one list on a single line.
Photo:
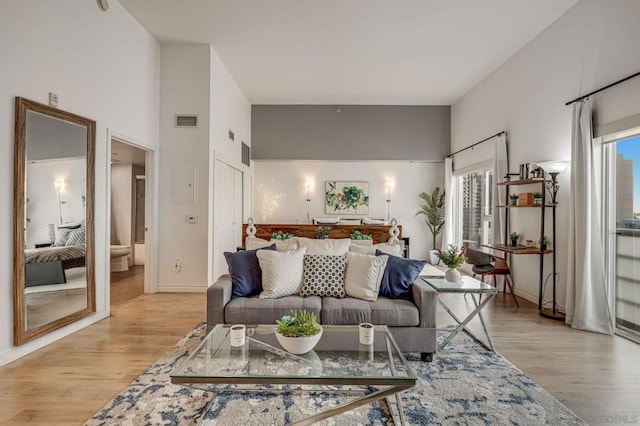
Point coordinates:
[(246, 275), (399, 276)]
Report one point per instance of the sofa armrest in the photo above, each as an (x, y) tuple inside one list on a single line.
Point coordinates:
[(425, 299), (218, 295)]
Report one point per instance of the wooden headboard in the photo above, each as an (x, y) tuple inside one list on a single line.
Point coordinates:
[(380, 233)]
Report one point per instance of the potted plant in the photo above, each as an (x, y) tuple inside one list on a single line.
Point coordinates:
[(281, 235), (322, 233), (513, 198), (514, 237), (432, 208), (537, 198), (298, 332), (453, 258), (358, 237), (544, 243)]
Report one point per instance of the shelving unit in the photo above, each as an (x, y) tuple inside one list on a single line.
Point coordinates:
[(518, 250)]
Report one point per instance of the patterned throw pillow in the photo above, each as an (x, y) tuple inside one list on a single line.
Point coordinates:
[(281, 272), (364, 275), (76, 237), (324, 275)]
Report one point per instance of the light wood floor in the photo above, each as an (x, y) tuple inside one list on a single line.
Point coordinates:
[(127, 285), (68, 381)]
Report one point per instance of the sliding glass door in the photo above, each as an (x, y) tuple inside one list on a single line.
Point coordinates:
[(621, 192)]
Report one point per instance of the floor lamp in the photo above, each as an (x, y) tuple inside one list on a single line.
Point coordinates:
[(553, 169)]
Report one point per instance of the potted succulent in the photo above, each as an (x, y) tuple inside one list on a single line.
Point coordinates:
[(514, 237), (298, 332), (322, 233), (453, 258), (432, 208), (537, 198), (281, 235), (513, 198), (358, 237), (544, 243)]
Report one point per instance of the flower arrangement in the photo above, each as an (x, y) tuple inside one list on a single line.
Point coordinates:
[(298, 324), (453, 257), (322, 233), (281, 235), (514, 237), (357, 235), (544, 242)]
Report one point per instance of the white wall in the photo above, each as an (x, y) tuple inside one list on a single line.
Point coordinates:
[(104, 66), (593, 44), (185, 79), (280, 192)]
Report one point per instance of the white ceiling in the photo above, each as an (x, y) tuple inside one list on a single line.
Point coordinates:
[(384, 52)]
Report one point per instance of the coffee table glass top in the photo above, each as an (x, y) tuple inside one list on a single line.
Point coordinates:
[(466, 285), (338, 358)]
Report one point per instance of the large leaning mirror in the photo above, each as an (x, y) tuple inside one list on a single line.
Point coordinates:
[(53, 265)]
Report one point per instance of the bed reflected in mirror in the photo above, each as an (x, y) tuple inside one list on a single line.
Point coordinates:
[(53, 223)]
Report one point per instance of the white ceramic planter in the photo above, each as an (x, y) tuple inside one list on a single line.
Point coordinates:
[(452, 275), (433, 257), (299, 345)]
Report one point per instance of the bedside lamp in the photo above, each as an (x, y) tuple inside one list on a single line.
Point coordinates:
[(553, 169)]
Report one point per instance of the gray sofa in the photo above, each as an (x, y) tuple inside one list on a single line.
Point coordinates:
[(413, 324)]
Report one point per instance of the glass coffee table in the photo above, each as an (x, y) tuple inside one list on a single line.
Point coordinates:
[(470, 286), (338, 359)]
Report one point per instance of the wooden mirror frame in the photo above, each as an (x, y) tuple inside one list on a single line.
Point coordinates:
[(20, 333)]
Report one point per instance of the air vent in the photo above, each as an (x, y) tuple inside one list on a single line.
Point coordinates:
[(246, 154), (186, 120)]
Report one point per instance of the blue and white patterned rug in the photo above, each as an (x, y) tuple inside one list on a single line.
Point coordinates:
[(464, 385)]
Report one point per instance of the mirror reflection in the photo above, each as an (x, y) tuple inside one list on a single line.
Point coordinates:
[(53, 219)]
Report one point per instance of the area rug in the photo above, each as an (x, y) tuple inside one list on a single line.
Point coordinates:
[(464, 385)]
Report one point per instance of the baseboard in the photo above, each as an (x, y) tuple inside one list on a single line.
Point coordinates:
[(177, 288)]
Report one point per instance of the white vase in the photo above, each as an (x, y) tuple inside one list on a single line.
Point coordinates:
[(298, 345), (453, 275), (433, 257)]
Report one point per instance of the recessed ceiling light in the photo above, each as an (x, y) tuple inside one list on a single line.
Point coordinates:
[(103, 5)]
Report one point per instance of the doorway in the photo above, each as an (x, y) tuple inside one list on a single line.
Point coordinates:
[(127, 221)]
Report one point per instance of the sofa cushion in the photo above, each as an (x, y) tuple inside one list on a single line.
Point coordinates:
[(384, 311), (323, 275), (387, 248), (363, 276), (252, 243), (281, 272), (329, 246), (253, 310), (246, 276), (399, 275)]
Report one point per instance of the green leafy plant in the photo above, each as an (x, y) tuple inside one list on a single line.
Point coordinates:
[(281, 235), (537, 195), (298, 324), (432, 208), (514, 198), (453, 257), (322, 233), (514, 236), (357, 235), (544, 242)]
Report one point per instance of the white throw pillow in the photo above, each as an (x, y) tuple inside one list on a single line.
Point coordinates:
[(326, 220), (393, 249), (363, 276), (281, 272), (330, 246), (254, 243), (368, 221), (350, 221)]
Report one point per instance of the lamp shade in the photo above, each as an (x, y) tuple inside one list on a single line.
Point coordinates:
[(556, 167)]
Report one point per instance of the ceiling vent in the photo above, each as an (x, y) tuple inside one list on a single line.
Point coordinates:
[(246, 154), (186, 120)]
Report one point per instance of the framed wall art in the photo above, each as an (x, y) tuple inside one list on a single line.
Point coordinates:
[(345, 197)]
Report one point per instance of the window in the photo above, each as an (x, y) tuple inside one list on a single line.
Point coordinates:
[(476, 207)]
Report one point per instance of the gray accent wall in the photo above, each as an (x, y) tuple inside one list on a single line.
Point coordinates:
[(357, 132)]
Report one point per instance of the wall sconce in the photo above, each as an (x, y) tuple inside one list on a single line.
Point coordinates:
[(309, 184), (59, 185), (389, 184)]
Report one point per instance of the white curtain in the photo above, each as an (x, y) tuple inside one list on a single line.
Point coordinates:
[(587, 301), (500, 169), (448, 235)]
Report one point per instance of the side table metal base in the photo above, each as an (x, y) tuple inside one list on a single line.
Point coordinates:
[(462, 325)]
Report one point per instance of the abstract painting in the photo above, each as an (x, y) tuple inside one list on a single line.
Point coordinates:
[(343, 197)]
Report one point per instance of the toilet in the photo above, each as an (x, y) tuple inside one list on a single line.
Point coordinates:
[(119, 258)]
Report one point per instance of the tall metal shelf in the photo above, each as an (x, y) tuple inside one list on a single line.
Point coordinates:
[(506, 248)]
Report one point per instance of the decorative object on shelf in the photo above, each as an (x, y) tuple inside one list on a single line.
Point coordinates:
[(544, 243), (298, 332), (553, 169), (432, 208), (347, 197), (281, 235), (525, 199), (537, 198), (453, 258), (322, 233), (357, 235), (513, 199), (514, 237)]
